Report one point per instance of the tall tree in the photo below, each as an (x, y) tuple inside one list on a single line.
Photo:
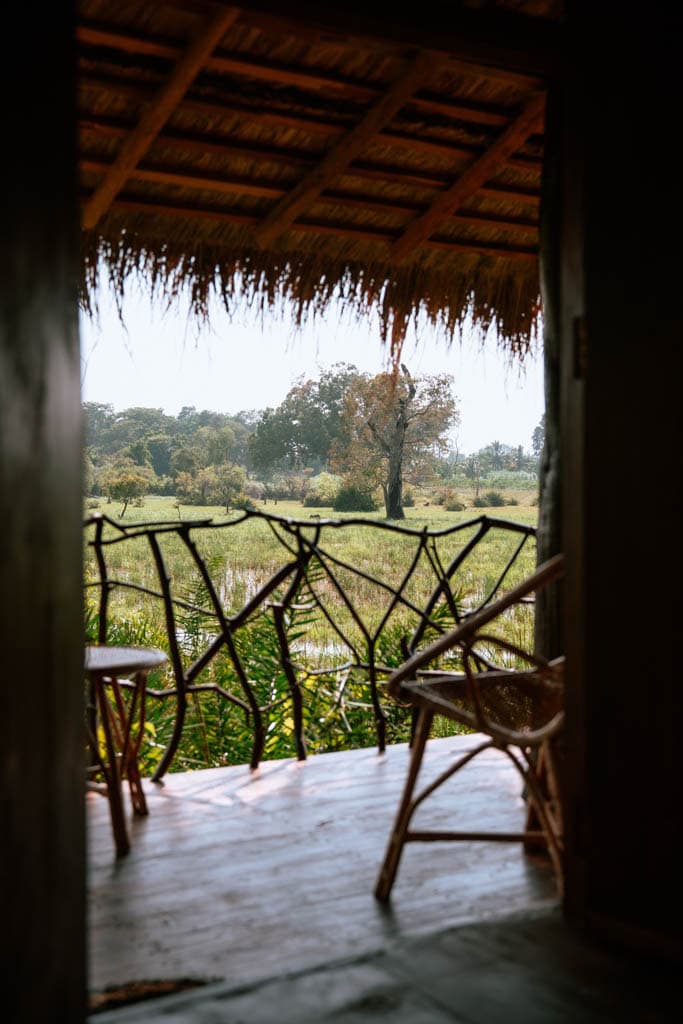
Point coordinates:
[(98, 418), (123, 480), (391, 424), (299, 432), (538, 438), (473, 469)]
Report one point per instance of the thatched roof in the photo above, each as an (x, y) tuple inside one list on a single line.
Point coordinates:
[(265, 157)]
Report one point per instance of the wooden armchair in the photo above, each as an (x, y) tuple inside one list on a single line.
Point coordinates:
[(510, 695)]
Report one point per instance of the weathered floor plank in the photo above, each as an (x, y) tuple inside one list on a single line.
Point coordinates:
[(241, 877), (521, 969)]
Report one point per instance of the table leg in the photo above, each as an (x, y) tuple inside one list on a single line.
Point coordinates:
[(112, 772), (137, 794), (130, 745)]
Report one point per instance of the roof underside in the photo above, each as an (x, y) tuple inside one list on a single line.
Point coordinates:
[(277, 161)]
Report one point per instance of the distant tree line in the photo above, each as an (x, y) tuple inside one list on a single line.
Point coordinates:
[(339, 439), (200, 457)]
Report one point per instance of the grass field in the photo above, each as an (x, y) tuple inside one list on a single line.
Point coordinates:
[(242, 557)]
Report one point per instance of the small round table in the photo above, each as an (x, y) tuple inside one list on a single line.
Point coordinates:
[(122, 724)]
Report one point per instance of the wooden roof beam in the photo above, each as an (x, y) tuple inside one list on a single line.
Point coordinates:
[(100, 34), (181, 178), (496, 44), (374, 171), (316, 125), (457, 110), (157, 113), (240, 64), (346, 149), (529, 121)]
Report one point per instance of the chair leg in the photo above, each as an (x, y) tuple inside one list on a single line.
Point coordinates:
[(533, 822), (392, 857), (547, 783), (549, 827)]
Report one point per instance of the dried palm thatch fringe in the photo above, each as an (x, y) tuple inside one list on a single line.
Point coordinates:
[(307, 274)]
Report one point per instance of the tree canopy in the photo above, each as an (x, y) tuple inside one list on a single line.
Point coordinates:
[(299, 432), (392, 425)]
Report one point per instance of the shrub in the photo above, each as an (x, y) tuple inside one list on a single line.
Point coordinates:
[(323, 490), (450, 500), (512, 501), (445, 496), (480, 502), (353, 499), (494, 499), (255, 490), (408, 498)]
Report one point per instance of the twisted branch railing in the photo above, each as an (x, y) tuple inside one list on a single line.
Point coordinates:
[(314, 578)]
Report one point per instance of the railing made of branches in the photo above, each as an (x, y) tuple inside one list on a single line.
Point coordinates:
[(329, 593)]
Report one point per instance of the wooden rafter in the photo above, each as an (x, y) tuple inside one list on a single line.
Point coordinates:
[(181, 178), (158, 112), (529, 121), (529, 47), (97, 34), (498, 45), (317, 125), (416, 144), (102, 35), (196, 213), (345, 150), (371, 170), (458, 110)]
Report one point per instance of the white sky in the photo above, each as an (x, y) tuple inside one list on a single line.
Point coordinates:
[(158, 359)]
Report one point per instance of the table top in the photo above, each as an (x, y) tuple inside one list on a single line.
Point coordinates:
[(115, 660)]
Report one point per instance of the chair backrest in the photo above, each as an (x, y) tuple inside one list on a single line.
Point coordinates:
[(495, 699)]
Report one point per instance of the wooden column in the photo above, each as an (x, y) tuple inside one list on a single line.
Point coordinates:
[(41, 652), (549, 639), (621, 334)]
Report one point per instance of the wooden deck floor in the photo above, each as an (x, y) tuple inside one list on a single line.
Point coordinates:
[(241, 877)]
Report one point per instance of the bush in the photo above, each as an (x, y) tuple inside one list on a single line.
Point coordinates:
[(255, 490), (480, 502), (408, 498), (450, 500), (494, 499), (353, 499), (324, 488), (512, 501), (313, 500)]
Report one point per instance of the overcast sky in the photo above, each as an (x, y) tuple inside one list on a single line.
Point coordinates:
[(160, 360)]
